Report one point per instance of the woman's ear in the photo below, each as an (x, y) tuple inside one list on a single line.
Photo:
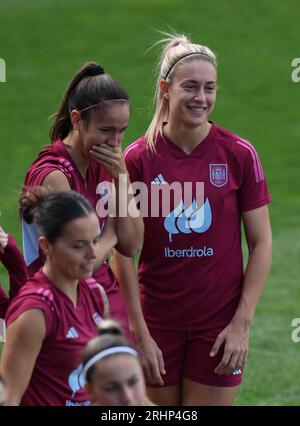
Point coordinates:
[(164, 88), (75, 119), (44, 245)]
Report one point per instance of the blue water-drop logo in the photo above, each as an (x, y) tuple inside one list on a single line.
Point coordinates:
[(76, 380), (191, 219)]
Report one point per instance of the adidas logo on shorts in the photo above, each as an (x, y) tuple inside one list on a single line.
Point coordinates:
[(72, 333)]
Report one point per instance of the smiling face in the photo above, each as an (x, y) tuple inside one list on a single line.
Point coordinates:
[(192, 93), (117, 380), (73, 254), (107, 125)]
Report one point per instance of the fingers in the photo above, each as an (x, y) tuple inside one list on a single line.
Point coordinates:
[(161, 362), (156, 368), (155, 374), (107, 150), (147, 371), (110, 157), (224, 362), (219, 340), (231, 361), (153, 366), (233, 364), (244, 360), (240, 362)]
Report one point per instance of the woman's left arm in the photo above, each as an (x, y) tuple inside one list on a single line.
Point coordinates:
[(236, 334)]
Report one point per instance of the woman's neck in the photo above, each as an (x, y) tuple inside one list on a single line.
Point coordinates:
[(67, 286), (72, 144), (187, 138)]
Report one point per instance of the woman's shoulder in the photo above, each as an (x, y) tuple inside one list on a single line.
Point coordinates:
[(51, 158), (38, 287), (36, 293), (136, 148), (239, 145)]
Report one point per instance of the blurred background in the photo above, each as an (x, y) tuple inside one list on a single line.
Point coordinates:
[(44, 42)]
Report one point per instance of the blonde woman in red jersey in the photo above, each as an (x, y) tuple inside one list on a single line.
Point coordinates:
[(198, 301), (57, 311)]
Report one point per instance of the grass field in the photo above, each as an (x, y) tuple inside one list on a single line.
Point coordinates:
[(43, 42)]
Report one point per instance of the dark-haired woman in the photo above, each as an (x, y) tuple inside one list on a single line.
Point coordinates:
[(85, 156), (112, 369), (57, 311)]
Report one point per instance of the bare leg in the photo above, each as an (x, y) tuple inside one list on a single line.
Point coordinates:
[(167, 395), (199, 394)]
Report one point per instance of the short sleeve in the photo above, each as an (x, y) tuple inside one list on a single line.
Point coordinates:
[(254, 191), (22, 304), (37, 176), (131, 155)]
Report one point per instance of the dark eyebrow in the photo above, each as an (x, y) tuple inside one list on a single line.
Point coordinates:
[(84, 241), (110, 127)]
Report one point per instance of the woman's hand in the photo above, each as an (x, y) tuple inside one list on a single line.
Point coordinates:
[(151, 359), (236, 340), (110, 156)]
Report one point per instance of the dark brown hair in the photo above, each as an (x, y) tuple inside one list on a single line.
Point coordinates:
[(89, 86), (51, 211)]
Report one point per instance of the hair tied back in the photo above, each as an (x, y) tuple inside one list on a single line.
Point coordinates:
[(95, 69)]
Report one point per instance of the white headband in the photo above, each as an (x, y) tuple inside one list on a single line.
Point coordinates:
[(107, 352)]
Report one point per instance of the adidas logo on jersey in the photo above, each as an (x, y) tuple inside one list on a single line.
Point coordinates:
[(237, 372), (72, 333), (159, 180)]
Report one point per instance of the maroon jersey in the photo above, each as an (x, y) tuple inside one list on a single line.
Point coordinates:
[(56, 157), (57, 378), (191, 267), (13, 261)]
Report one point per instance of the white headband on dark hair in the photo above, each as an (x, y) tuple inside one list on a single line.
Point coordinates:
[(107, 352)]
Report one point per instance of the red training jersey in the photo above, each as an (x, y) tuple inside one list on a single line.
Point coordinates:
[(57, 376), (191, 266)]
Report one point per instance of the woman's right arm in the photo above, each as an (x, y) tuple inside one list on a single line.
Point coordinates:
[(56, 181), (151, 356), (24, 339)]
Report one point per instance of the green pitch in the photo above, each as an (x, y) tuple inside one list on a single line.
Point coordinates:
[(43, 42)]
